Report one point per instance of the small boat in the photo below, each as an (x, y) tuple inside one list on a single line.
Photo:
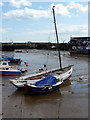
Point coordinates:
[(13, 60), (5, 69), (9, 71), (19, 51), (4, 64), (47, 84), (63, 74)]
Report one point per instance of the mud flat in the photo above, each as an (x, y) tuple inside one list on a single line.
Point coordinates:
[(70, 101)]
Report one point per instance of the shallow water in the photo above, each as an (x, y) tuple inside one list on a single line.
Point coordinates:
[(15, 104)]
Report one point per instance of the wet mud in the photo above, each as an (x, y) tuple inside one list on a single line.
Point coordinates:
[(70, 101)]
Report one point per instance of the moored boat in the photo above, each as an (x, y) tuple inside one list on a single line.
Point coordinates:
[(9, 71), (63, 75), (47, 84), (5, 69), (13, 60)]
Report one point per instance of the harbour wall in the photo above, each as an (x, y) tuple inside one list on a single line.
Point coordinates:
[(13, 46)]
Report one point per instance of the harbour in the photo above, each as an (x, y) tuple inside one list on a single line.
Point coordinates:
[(44, 71), (70, 101)]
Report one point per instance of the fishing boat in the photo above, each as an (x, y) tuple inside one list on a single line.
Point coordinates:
[(13, 60), (4, 64), (58, 74), (9, 71), (6, 69)]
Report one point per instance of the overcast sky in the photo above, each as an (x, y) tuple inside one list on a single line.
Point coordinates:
[(24, 21)]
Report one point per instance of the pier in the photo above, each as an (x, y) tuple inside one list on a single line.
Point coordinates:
[(13, 46)]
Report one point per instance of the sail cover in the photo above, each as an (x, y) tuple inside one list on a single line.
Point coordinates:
[(47, 81)]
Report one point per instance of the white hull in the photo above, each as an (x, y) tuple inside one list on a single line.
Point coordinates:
[(60, 75)]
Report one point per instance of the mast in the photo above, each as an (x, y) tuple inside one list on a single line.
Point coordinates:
[(57, 38)]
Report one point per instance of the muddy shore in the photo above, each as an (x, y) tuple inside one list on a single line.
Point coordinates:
[(70, 101)]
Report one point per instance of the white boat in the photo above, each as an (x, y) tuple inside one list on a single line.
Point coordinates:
[(60, 74), (4, 64), (5, 69)]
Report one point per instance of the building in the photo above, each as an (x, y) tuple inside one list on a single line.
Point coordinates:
[(80, 45), (80, 40)]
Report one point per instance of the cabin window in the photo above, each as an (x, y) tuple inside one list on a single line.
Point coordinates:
[(7, 68), (4, 64)]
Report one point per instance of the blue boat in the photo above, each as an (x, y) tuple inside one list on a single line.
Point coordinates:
[(88, 50), (10, 72), (47, 84), (5, 69), (13, 60)]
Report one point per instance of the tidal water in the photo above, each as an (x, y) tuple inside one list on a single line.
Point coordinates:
[(70, 101)]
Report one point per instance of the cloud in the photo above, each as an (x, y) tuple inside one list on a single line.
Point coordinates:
[(40, 31), (64, 32), (1, 3), (73, 29), (77, 6), (4, 30), (63, 29), (18, 4), (61, 10), (26, 13), (67, 31)]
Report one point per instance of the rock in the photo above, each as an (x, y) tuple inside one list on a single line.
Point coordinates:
[(3, 84), (15, 105), (72, 92), (81, 77), (1, 113)]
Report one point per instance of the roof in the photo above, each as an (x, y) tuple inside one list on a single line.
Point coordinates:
[(80, 38)]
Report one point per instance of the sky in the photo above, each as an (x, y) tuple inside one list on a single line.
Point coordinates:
[(24, 20)]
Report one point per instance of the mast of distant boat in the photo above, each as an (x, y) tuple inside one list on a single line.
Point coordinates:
[(57, 38)]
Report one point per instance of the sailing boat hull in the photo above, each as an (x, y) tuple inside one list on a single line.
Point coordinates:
[(19, 83), (46, 89), (32, 90)]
